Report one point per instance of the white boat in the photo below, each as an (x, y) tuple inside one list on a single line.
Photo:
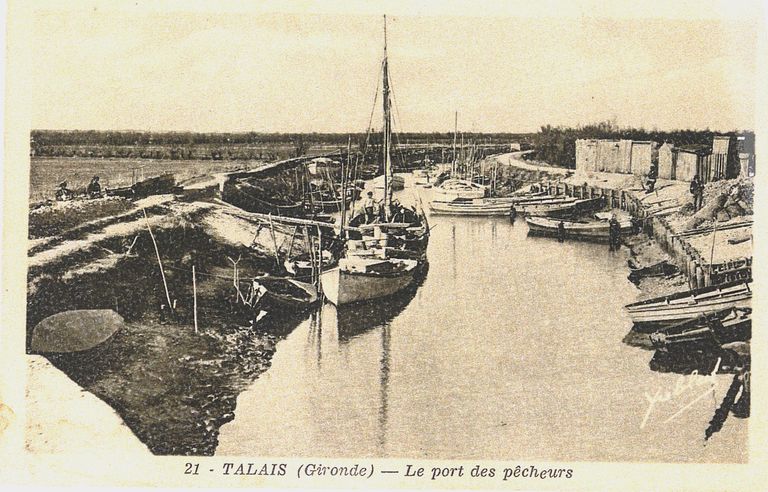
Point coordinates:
[(458, 189), (682, 306), (370, 268), (591, 230), (478, 206), (358, 279)]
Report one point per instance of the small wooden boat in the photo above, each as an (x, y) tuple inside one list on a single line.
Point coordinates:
[(478, 206), (686, 305), (328, 204), (709, 330), (590, 230), (660, 269), (421, 177), (285, 295), (455, 189), (359, 278), (301, 266), (559, 207), (397, 182), (75, 331)]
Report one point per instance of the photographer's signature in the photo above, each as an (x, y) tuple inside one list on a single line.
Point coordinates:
[(684, 385)]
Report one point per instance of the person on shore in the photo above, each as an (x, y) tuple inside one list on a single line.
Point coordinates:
[(94, 188), (512, 213), (650, 180), (614, 234), (369, 205), (63, 193), (697, 190), (561, 231)]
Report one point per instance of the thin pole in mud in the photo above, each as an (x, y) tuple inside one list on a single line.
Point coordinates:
[(319, 259), (194, 296), (274, 240), (712, 251), (159, 261)]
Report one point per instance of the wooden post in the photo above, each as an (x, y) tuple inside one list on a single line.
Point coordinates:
[(194, 296), (319, 259), (274, 240), (159, 262)]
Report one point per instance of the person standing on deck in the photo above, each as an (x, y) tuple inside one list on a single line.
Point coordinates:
[(697, 190), (614, 233), (369, 205)]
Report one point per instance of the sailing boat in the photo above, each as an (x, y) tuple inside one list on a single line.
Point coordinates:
[(456, 188), (382, 257)]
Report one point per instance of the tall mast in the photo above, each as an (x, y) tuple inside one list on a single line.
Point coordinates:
[(455, 132), (387, 129)]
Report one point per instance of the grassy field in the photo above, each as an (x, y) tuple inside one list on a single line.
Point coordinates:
[(47, 172)]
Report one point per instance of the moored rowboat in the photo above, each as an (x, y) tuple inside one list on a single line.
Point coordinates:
[(560, 206), (686, 305), (479, 206), (592, 230)]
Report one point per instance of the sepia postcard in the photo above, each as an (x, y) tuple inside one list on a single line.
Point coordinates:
[(388, 245)]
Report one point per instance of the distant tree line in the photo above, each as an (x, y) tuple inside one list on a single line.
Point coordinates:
[(227, 146), (557, 145)]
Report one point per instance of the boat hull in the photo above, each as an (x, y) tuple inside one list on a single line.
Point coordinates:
[(688, 305), (341, 287), (474, 208), (397, 182), (596, 232)]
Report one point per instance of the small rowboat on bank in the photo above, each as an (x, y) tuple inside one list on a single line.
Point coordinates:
[(589, 230), (709, 330), (686, 305), (285, 295)]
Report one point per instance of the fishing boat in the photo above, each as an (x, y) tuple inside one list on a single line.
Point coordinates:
[(560, 206), (458, 189), (358, 278), (368, 270), (590, 230), (252, 199), (709, 330), (395, 182), (476, 207), (686, 305)]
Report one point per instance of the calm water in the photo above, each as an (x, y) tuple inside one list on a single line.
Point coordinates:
[(510, 348)]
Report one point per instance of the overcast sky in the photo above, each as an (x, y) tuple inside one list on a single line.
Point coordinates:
[(240, 71)]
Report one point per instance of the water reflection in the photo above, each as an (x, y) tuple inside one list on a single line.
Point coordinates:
[(502, 352), (355, 319)]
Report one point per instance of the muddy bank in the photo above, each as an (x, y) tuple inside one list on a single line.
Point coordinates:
[(173, 387)]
